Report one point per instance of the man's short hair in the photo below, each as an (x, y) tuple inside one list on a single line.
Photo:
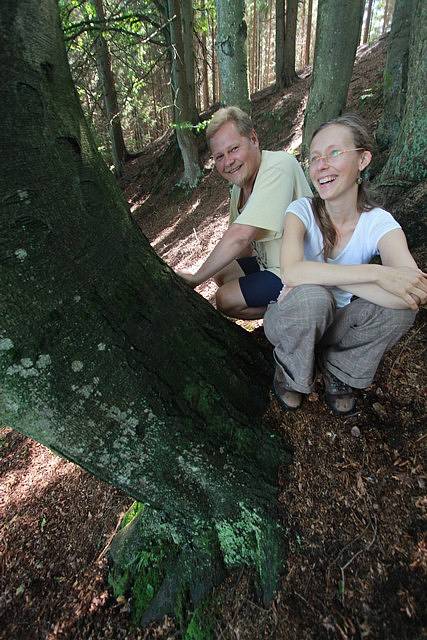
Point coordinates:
[(241, 119)]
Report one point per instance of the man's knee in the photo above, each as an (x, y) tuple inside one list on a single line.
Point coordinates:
[(226, 297)]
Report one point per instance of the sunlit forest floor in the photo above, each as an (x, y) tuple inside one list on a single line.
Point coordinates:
[(353, 500)]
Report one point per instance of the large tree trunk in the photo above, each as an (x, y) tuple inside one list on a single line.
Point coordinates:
[(103, 62), (231, 50), (110, 360), (337, 35), (396, 74), (407, 163), (183, 110)]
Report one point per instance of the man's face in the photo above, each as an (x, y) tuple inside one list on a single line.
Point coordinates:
[(236, 157)]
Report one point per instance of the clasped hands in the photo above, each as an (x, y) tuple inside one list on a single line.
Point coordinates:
[(408, 283)]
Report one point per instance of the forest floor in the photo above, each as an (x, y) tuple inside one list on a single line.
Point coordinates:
[(352, 502)]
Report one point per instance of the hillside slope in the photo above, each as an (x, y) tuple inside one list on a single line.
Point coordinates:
[(353, 500)]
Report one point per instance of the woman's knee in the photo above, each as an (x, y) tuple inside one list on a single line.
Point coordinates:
[(310, 302), (400, 320)]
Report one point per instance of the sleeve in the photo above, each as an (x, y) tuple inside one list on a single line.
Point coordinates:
[(381, 223), (276, 186), (234, 201), (302, 209)]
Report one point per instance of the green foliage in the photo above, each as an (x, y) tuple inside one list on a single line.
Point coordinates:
[(134, 510), (201, 625), (197, 128)]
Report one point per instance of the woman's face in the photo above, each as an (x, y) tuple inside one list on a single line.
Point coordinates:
[(335, 164)]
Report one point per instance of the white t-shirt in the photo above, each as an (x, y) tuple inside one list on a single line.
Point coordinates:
[(360, 249)]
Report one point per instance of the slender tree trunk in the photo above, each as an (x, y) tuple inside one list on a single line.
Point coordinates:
[(367, 21), (290, 41), (308, 33), (110, 360), (205, 81), (231, 49), (182, 109), (214, 65), (337, 35), (280, 44), (189, 63), (103, 61), (407, 163), (269, 38), (285, 42), (254, 47), (396, 73)]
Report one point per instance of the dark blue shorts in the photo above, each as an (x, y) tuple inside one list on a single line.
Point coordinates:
[(258, 287)]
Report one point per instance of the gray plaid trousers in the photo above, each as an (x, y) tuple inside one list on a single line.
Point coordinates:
[(349, 342)]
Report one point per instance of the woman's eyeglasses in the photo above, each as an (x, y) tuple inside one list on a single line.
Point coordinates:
[(328, 158)]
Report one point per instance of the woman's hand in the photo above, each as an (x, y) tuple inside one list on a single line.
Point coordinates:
[(404, 282)]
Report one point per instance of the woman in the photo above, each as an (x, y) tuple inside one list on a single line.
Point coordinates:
[(335, 306)]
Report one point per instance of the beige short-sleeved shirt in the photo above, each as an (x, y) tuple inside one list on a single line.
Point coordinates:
[(280, 180)]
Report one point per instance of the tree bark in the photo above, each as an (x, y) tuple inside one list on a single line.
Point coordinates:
[(367, 21), (205, 81), (280, 43), (396, 74), (187, 41), (337, 35), (107, 358), (183, 109), (285, 42), (308, 33), (103, 62), (407, 163), (231, 51)]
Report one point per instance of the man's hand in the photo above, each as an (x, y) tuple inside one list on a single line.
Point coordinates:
[(190, 278)]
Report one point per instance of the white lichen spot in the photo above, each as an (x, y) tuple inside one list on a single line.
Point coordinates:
[(77, 298), (23, 195), (11, 406), (6, 344), (86, 391), (29, 373), (27, 363), (21, 254), (101, 346), (77, 365), (43, 361)]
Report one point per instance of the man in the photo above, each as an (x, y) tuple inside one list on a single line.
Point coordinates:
[(245, 263)]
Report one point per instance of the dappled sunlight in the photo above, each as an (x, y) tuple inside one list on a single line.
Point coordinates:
[(42, 467)]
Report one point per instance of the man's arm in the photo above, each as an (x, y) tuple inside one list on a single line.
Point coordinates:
[(233, 243)]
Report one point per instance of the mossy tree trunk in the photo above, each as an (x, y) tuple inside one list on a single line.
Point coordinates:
[(231, 49), (111, 361), (337, 36), (396, 73), (407, 163)]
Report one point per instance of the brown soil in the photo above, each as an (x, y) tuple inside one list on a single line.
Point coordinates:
[(353, 500)]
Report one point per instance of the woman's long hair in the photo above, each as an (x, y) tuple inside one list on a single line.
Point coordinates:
[(365, 199)]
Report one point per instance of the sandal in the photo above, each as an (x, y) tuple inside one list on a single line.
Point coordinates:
[(339, 396), (289, 399)]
